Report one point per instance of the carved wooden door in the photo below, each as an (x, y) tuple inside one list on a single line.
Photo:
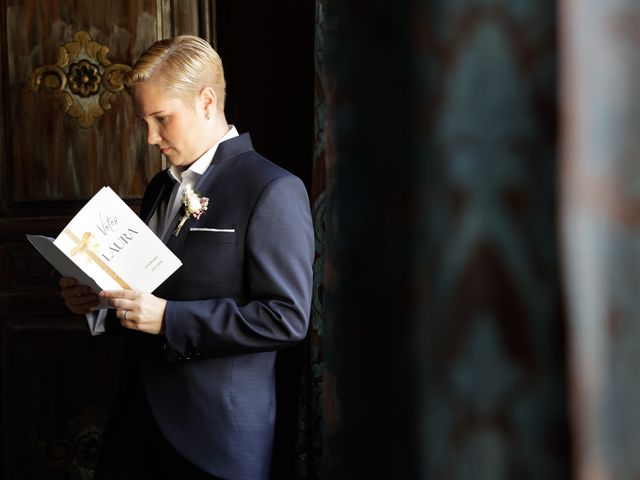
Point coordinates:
[(66, 129)]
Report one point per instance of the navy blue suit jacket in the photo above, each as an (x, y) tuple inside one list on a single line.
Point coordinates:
[(243, 291)]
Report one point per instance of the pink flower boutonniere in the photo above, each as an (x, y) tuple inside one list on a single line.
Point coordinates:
[(194, 206)]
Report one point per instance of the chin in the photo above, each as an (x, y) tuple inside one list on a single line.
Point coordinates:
[(180, 164)]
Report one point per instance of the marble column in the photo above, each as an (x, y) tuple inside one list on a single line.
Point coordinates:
[(601, 231)]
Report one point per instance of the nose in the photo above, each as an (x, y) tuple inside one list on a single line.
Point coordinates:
[(153, 138)]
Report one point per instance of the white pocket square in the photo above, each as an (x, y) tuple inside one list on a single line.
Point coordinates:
[(220, 230)]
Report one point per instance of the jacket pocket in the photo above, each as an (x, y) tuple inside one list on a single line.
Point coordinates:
[(213, 235)]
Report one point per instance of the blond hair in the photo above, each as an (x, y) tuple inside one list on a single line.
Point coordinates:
[(184, 65)]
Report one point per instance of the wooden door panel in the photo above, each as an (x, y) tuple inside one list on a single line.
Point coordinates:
[(61, 382), (56, 381), (63, 160)]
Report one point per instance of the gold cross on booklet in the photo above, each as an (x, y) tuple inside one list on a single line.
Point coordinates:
[(106, 246)]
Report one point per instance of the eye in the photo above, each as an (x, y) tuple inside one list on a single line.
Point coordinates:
[(162, 118)]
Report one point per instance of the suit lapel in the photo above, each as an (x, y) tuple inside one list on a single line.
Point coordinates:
[(226, 151), (155, 195)]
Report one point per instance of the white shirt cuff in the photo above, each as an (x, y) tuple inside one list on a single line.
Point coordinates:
[(96, 321)]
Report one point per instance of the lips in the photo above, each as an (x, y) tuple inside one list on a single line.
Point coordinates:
[(164, 150)]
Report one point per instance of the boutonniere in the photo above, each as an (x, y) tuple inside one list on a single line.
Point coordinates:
[(194, 206)]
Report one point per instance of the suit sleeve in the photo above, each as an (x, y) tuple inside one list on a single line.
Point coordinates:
[(279, 250)]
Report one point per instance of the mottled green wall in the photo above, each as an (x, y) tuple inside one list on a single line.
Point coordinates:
[(443, 327)]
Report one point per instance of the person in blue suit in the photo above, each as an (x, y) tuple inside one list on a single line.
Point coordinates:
[(197, 396)]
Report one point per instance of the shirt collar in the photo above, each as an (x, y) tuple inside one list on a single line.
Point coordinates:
[(200, 166)]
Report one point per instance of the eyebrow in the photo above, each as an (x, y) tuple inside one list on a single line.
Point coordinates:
[(150, 115)]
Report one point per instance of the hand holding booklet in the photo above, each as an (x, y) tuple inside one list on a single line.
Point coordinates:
[(106, 246)]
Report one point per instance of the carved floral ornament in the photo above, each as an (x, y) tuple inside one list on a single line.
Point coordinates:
[(83, 78)]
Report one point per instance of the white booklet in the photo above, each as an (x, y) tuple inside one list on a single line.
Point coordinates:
[(106, 246)]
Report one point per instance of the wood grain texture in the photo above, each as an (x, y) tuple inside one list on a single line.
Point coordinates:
[(55, 379), (52, 157), (51, 369)]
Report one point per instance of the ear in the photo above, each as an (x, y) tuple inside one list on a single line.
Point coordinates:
[(209, 100)]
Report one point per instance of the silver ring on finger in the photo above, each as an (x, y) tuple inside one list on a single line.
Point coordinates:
[(125, 315)]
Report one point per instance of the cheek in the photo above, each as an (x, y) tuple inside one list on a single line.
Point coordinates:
[(189, 136), (182, 131), (173, 135)]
